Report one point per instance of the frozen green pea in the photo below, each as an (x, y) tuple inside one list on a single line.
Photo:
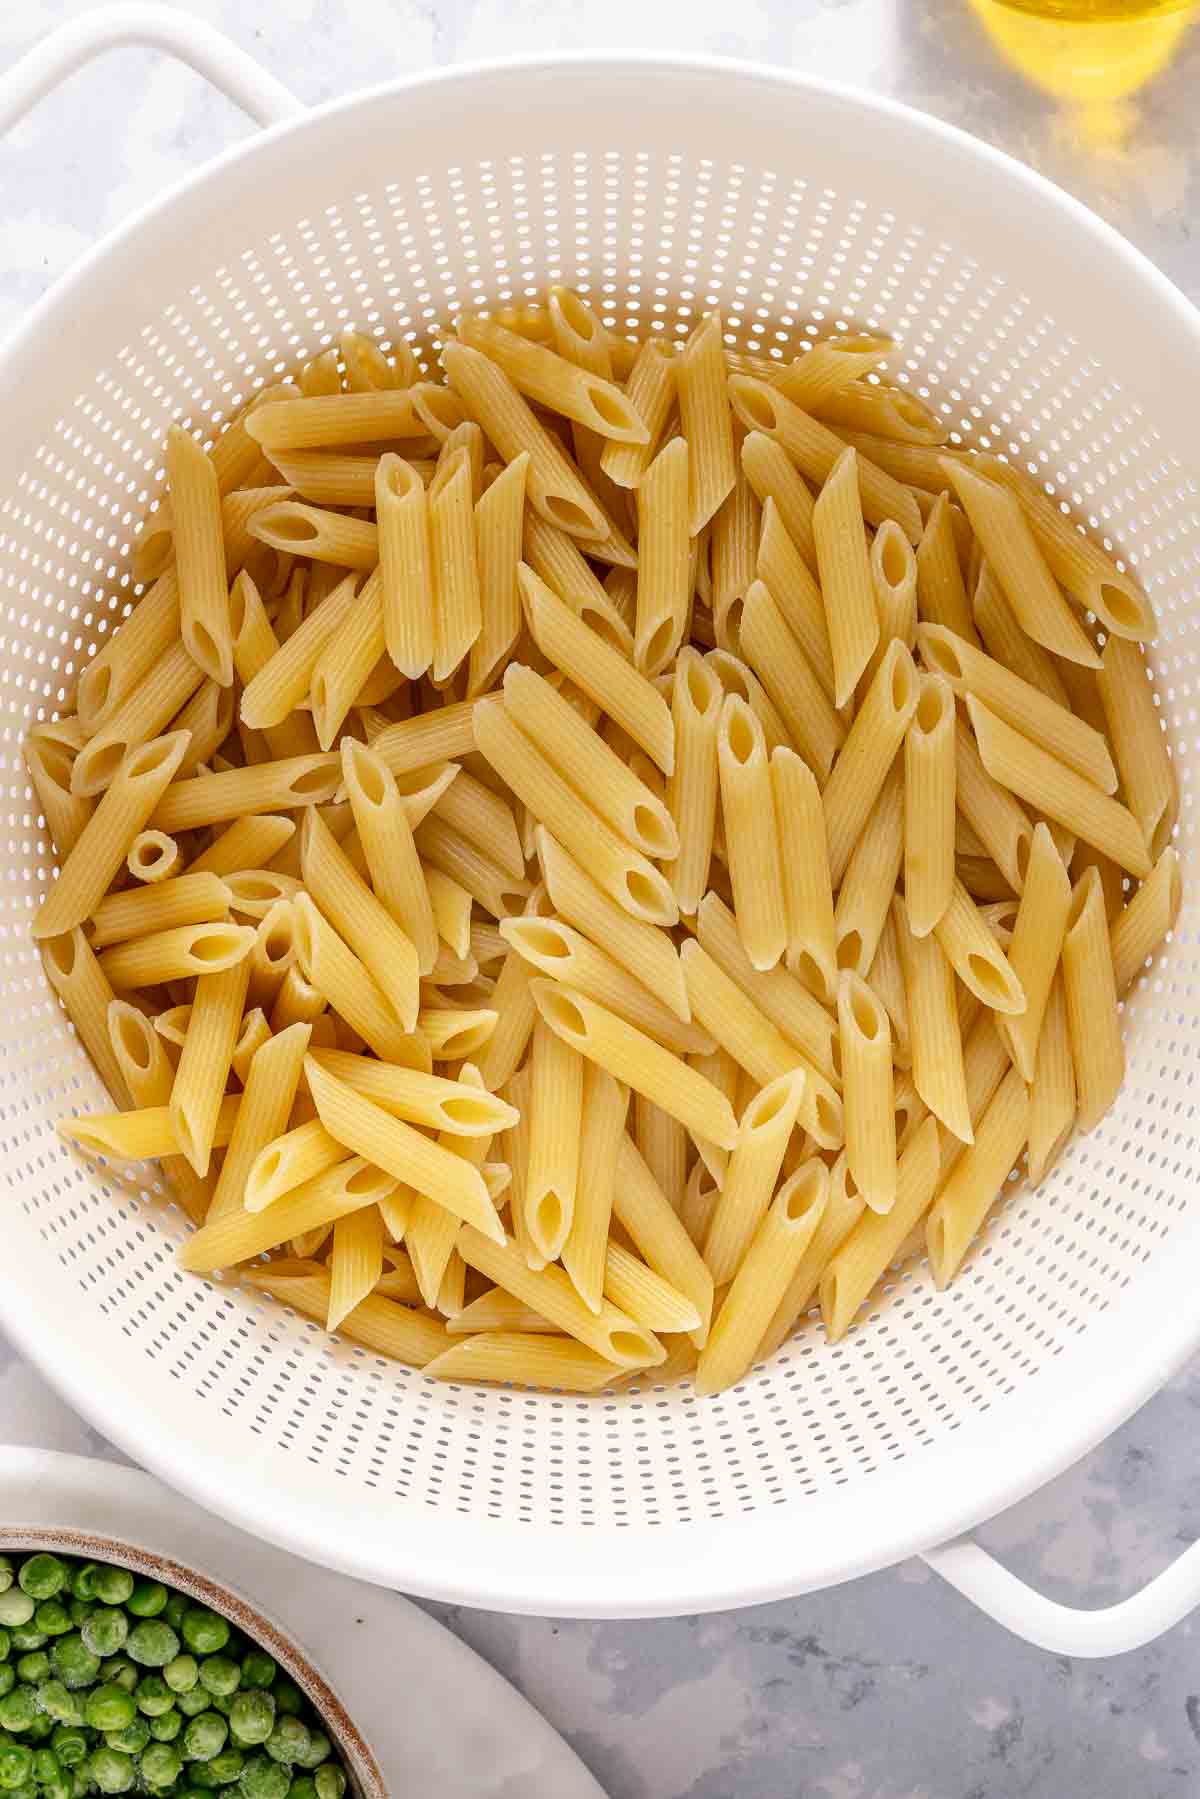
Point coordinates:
[(5, 1644), (75, 1664), (162, 1765), (152, 1643), (194, 1701), (153, 1695), (303, 1787), (79, 1610), (7, 1573), (45, 1766), (261, 1778), (8, 1678), (24, 1638), (175, 1610), (16, 1607), (42, 1576), (222, 1702), (221, 1771), (182, 1674), (132, 1739), (258, 1668), (147, 1599), (41, 1728), (252, 1717), (105, 1632), (16, 1765), (165, 1728), (205, 1736), (69, 1744), (204, 1632), (18, 1709), (287, 1696), (52, 1618), (83, 1580), (288, 1742), (33, 1667), (109, 1707), (220, 1675), (329, 1781), (112, 1585), (111, 1771), (55, 1699)]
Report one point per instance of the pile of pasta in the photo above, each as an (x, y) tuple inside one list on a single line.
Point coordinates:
[(570, 862)]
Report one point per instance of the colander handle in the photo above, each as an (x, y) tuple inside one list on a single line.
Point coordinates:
[(1063, 1629), (56, 57)]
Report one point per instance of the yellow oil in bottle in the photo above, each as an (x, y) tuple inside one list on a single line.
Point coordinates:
[(1090, 54)]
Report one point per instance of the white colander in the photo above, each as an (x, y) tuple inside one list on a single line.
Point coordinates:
[(662, 188)]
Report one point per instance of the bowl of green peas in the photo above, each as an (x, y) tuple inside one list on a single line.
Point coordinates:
[(136, 1675)]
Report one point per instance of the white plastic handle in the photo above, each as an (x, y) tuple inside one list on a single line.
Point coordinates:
[(1063, 1629), (231, 70)]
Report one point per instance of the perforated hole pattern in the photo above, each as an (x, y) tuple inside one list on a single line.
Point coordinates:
[(653, 240)]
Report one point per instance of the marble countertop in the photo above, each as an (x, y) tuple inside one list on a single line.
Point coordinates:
[(890, 1688)]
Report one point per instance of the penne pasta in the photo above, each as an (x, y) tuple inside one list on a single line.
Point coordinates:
[(978, 1178), (929, 805), (645, 950), (519, 1358), (751, 836), (870, 878), (553, 948), (867, 1092), (1148, 918), (205, 1059), (776, 993), (1036, 945), (1139, 745), (972, 951), (941, 593), (808, 896), (250, 842), (872, 1244), (692, 787), (787, 511), (610, 1333), (754, 1166), (844, 571), (272, 786), (379, 1324), (843, 1209), (810, 723), (643, 1211), (405, 565), (283, 682), (324, 420), (370, 930), (868, 753), (1001, 825), (604, 1105), (1090, 990), (663, 589), (1052, 1095), (551, 380), (200, 560), (176, 954), (188, 899), (650, 391), (1006, 642), (555, 1113), (330, 965), (934, 1033), (146, 1134), (86, 997), (269, 1090), (498, 533), (705, 421)]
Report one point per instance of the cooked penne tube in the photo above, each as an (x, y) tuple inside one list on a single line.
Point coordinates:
[(331, 966), (741, 1029), (1090, 989), (868, 753), (271, 786), (941, 593), (250, 842), (643, 1210), (886, 980), (888, 412), (624, 873), (1001, 825), (604, 1105), (663, 589), (270, 1085), (272, 952), (457, 606), (148, 710), (978, 1178), (755, 1162), (811, 724), (153, 856), (254, 1033), (137, 643), (452, 908), (580, 754), (432, 1230), (845, 575), (934, 1033), (186, 900), (204, 1061), (338, 477), (843, 1209), (599, 670), (929, 805), (1036, 945), (1007, 643), (379, 1324), (414, 743), (520, 1358), (1049, 786), (1052, 1095), (85, 996), (283, 683), (692, 788), (870, 878), (733, 538), (147, 1134), (315, 532), (705, 420), (610, 1332), (148, 1072), (1087, 572), (777, 994), (553, 485), (972, 951), (355, 1261), (751, 836), (636, 1059), (405, 565), (779, 1242), (646, 1296), (894, 580), (867, 1093), (795, 591), (381, 945), (498, 534), (814, 449), (555, 1113), (808, 896), (200, 561), (50, 768), (1139, 744), (323, 420), (253, 891), (873, 1243), (176, 953), (552, 381), (972, 674), (1005, 538), (556, 949), (497, 1310), (387, 1142), (737, 677), (345, 665), (830, 366), (388, 846), (700, 1196), (445, 849), (1141, 925), (208, 719)]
